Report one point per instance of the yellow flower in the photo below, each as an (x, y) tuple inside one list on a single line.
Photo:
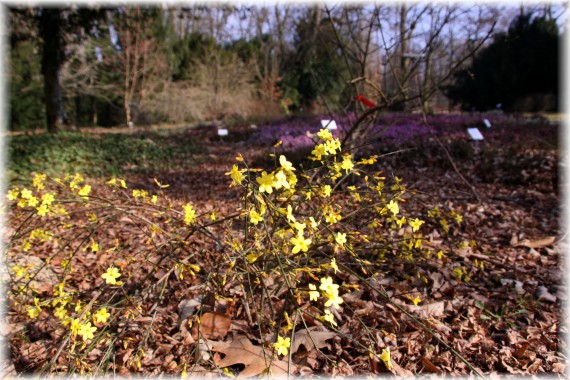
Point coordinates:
[(266, 182), (34, 311), (332, 146), (318, 152), (26, 193), (43, 209), (48, 198), (75, 327), (86, 331), (333, 265), (327, 191), (340, 238), (254, 217), (347, 163), (400, 222), (33, 201), (94, 246), (84, 191), (101, 316), (385, 357), (189, 214), (314, 223), (325, 134), (13, 194), (334, 300), (38, 181), (415, 224), (77, 179), (458, 218), (313, 293), (140, 193), (331, 216), (60, 312), (282, 345), (300, 243), (329, 317), (327, 286), (280, 180), (117, 182), (393, 207), (286, 165), (236, 175), (111, 275), (300, 227), (289, 214), (416, 300)]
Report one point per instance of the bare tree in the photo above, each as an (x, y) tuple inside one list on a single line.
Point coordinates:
[(411, 64), (138, 55)]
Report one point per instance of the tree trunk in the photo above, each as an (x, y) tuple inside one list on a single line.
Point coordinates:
[(50, 25)]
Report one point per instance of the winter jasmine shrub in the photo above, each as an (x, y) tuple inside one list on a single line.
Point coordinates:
[(302, 241)]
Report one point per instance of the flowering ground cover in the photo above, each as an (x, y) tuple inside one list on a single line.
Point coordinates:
[(421, 253)]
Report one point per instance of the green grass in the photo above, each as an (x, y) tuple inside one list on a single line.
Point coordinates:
[(99, 155)]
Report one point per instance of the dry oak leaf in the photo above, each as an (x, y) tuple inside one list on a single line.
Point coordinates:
[(212, 326), (539, 243), (255, 358), (312, 337)]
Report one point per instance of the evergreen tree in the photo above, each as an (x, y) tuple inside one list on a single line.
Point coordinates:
[(518, 65)]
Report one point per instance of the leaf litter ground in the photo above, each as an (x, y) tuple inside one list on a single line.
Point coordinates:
[(506, 319)]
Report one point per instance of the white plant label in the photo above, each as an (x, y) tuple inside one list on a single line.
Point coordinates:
[(222, 132), (329, 124), (487, 123), (475, 133)]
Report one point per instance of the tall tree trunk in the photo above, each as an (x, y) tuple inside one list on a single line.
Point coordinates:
[(50, 26), (403, 55)]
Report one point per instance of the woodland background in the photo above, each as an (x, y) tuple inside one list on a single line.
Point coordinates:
[(138, 96), (84, 67)]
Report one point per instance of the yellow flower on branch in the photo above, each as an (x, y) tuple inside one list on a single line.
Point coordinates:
[(101, 316), (111, 275), (313, 293), (86, 331), (393, 207), (340, 238), (280, 180), (282, 345), (318, 152), (38, 181), (415, 224), (254, 217), (385, 357), (300, 243), (236, 175), (189, 214), (75, 327), (329, 317), (286, 165), (266, 182), (347, 163), (325, 135), (13, 194), (84, 191)]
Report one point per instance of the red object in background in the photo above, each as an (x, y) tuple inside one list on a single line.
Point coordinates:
[(365, 101)]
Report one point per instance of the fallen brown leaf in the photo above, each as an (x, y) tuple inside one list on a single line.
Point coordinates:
[(255, 358), (212, 326), (539, 243), (312, 337)]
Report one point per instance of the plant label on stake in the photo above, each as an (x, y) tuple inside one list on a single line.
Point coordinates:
[(222, 132), (329, 124), (475, 134), (487, 123)]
